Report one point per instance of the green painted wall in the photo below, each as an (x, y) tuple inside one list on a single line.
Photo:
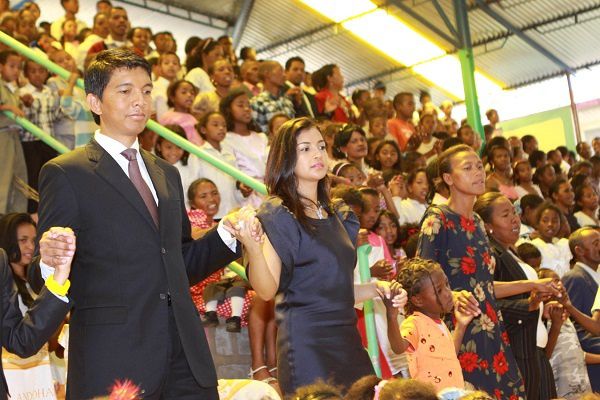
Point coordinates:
[(552, 128)]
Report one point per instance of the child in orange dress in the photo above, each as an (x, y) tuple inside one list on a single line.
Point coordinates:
[(430, 347)]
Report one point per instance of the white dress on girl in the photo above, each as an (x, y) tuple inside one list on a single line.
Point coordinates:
[(585, 220), (555, 256), (231, 198), (187, 172), (251, 154), (521, 191), (410, 211)]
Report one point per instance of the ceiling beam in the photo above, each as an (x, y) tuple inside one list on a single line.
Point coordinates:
[(242, 20), (532, 43)]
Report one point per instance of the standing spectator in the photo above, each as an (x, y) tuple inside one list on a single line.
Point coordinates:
[(562, 195), (71, 8), (140, 40), (249, 73), (221, 74), (329, 83), (501, 177), (401, 127), (228, 51), (68, 39), (272, 100), (168, 69), (164, 42), (199, 61), (180, 96), (100, 31), (494, 122), (118, 25), (582, 283), (43, 112), (12, 161), (304, 102), (530, 144), (103, 6), (584, 150), (248, 54)]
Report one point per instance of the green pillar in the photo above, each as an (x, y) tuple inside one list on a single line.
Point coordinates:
[(467, 64)]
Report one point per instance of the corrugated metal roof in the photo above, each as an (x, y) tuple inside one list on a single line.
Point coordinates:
[(284, 28)]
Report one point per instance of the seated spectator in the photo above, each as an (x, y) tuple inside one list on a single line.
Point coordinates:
[(71, 8), (412, 208), (275, 123), (180, 95), (586, 205), (561, 194), (329, 82), (249, 75), (387, 157), (118, 26), (528, 205), (501, 178), (68, 38), (272, 100), (221, 75), (530, 144), (140, 41), (99, 32), (202, 57), (176, 156), (213, 128), (544, 177), (401, 127), (168, 69), (523, 179), (350, 144)]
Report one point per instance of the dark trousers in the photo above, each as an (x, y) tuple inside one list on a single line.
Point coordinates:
[(179, 382), (37, 153)]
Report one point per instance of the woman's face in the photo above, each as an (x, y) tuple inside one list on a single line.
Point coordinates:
[(207, 198), (548, 177), (523, 172), (171, 153), (501, 159), (26, 239), (311, 156), (549, 224), (419, 188), (222, 73), (387, 156), (357, 148), (505, 225), (215, 54), (388, 230), (589, 199), (240, 109), (467, 175), (184, 96), (565, 195)]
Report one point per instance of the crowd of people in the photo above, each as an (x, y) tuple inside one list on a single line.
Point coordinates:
[(484, 249)]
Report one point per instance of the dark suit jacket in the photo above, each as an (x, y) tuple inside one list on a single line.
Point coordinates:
[(520, 323), (25, 335), (582, 290), (302, 109), (124, 268)]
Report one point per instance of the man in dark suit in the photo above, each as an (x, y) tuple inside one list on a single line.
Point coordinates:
[(135, 259), (304, 102), (24, 336), (581, 283)]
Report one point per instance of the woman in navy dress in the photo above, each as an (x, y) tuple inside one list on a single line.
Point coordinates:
[(453, 235), (307, 260)]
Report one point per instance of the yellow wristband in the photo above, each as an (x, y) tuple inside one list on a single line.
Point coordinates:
[(56, 288)]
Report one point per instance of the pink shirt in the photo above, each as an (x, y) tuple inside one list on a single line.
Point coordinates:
[(186, 121)]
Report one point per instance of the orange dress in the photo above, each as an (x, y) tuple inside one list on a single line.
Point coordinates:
[(431, 354)]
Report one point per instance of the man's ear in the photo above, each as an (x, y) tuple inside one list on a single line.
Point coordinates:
[(94, 103)]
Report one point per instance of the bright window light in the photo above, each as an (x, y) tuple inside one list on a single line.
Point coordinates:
[(399, 41)]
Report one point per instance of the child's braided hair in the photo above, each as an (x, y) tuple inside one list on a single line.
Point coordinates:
[(413, 275)]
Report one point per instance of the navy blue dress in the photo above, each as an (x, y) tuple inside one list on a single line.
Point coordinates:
[(317, 335)]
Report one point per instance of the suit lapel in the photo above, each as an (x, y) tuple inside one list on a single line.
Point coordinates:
[(108, 169)]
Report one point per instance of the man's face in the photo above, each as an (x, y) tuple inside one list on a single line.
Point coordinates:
[(126, 103), (164, 42), (118, 22), (590, 246), (71, 6), (296, 73)]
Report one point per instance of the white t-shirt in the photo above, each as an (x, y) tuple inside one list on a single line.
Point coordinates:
[(199, 78), (410, 211), (585, 220), (555, 256), (522, 192)]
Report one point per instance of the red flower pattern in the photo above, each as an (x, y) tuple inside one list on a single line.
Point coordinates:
[(470, 251), (487, 259), (468, 361), (483, 364), (467, 264), (467, 224), (489, 310), (505, 338), (498, 394), (499, 364)]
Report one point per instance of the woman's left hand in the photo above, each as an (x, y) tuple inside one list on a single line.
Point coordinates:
[(548, 286)]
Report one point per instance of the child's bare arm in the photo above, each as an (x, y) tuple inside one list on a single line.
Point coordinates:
[(462, 322)]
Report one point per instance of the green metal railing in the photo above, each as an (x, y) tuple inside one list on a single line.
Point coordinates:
[(152, 125), (37, 132), (365, 277)]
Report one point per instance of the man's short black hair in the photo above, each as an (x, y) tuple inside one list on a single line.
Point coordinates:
[(98, 73), (288, 63)]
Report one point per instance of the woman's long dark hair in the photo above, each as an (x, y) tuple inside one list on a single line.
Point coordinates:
[(10, 243), (280, 178)]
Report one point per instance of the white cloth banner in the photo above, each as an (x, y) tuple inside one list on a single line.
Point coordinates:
[(29, 378)]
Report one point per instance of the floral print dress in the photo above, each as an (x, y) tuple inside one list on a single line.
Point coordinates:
[(461, 246)]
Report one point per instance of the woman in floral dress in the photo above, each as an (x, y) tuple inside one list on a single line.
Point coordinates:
[(453, 235)]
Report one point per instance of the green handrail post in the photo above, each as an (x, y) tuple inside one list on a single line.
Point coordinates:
[(365, 277), (238, 269), (37, 132)]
